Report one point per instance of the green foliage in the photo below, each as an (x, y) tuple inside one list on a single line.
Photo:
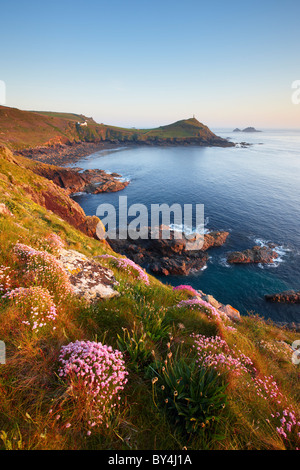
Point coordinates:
[(136, 348), (193, 397), (154, 324), (14, 443)]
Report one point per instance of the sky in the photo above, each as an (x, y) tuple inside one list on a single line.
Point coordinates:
[(148, 63)]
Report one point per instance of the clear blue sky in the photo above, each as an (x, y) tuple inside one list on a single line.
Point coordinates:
[(146, 63)]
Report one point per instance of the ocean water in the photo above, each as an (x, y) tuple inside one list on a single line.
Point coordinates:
[(252, 192)]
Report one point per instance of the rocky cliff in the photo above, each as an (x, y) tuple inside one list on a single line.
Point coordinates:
[(74, 180), (17, 177)]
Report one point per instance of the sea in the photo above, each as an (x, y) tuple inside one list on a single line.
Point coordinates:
[(251, 191)]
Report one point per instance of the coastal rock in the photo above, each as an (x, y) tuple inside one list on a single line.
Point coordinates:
[(176, 266), (169, 256), (230, 312), (64, 153), (214, 239), (224, 310), (75, 180), (55, 200), (93, 227), (257, 254), (46, 193), (212, 301), (111, 186), (89, 279), (243, 145), (98, 181), (70, 180), (289, 296)]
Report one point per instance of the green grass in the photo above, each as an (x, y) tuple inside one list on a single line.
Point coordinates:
[(68, 116)]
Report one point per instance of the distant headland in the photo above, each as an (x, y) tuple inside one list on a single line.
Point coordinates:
[(33, 133)]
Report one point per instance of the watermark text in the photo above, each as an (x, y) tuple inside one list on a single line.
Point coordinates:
[(164, 222)]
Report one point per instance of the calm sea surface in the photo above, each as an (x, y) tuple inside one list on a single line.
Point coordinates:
[(253, 192)]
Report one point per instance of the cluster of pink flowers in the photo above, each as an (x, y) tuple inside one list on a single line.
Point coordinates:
[(55, 242), (267, 388), (44, 269), (37, 304), (187, 288), (288, 423), (127, 263), (231, 328), (5, 280), (198, 302), (101, 370), (215, 352)]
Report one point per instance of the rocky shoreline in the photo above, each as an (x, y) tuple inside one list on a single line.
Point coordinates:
[(174, 256), (75, 180), (66, 154), (98, 181)]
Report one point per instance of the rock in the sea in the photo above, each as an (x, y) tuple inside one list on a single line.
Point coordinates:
[(289, 296), (250, 129), (169, 256), (111, 186), (257, 254), (89, 278), (214, 239), (247, 129)]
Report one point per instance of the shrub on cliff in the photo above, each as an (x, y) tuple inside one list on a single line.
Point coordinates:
[(192, 397), (43, 269), (96, 377), (36, 306)]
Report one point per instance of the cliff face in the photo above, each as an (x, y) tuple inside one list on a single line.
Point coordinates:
[(16, 176), (72, 180)]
